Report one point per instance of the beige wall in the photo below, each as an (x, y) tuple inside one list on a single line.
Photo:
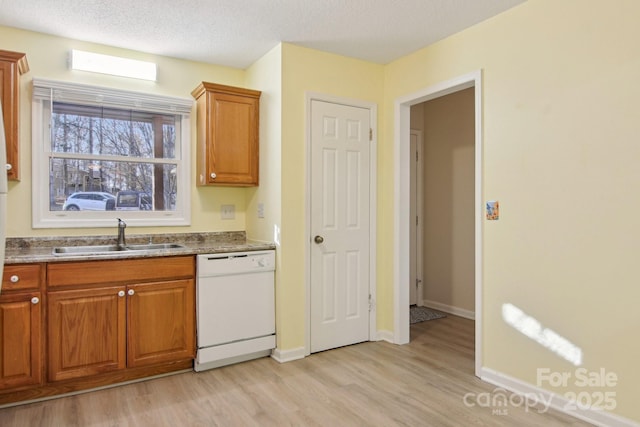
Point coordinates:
[(306, 70), (560, 133), (47, 57), (448, 222), (266, 75), (560, 153)]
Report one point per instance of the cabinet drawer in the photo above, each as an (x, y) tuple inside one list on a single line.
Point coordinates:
[(21, 277), (119, 271)]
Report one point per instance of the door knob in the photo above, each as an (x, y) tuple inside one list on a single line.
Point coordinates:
[(318, 239)]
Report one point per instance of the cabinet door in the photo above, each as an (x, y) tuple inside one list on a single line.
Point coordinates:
[(20, 340), (161, 322), (233, 141), (86, 332), (12, 65)]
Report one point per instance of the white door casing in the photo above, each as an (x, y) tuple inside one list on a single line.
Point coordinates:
[(402, 202), (416, 294), (340, 225)]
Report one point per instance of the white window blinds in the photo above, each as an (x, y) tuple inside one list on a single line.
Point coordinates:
[(74, 93)]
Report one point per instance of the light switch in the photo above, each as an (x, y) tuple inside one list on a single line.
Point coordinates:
[(228, 211), (260, 210)]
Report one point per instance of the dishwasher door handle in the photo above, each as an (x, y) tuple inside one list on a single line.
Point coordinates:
[(214, 258)]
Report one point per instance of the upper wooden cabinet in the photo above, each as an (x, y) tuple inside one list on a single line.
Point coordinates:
[(12, 66), (228, 122)]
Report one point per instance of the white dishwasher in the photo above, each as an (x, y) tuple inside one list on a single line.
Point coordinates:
[(235, 303)]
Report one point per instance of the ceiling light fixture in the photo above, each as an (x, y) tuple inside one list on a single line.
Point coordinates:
[(113, 65)]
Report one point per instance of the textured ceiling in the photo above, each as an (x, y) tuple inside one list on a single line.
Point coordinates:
[(238, 32)]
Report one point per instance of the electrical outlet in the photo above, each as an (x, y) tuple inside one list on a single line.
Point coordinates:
[(260, 210), (228, 211)]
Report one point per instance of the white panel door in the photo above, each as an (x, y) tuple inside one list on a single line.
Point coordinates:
[(340, 253)]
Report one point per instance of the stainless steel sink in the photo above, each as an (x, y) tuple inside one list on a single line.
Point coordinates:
[(109, 249), (153, 247), (86, 250)]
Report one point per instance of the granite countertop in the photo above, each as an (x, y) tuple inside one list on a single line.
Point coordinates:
[(40, 249)]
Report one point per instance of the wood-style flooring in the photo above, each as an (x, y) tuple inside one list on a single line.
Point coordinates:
[(370, 384)]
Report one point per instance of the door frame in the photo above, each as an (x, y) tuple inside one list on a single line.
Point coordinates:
[(373, 171), (419, 200), (402, 113)]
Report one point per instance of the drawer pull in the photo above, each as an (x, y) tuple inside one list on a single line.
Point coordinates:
[(35, 300), (15, 278)]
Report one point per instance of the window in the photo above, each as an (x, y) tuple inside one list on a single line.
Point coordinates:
[(102, 153)]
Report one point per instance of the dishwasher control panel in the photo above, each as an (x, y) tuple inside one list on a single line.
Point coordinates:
[(235, 263)]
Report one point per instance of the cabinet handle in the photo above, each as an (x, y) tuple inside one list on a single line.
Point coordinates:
[(120, 293), (15, 278), (35, 300), (8, 166), (131, 292), (213, 175)]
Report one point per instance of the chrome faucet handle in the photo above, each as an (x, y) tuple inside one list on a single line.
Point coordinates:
[(121, 226)]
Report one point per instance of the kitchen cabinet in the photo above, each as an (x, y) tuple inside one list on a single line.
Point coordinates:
[(86, 332), (12, 66), (228, 135), (107, 316), (160, 322), (21, 327)]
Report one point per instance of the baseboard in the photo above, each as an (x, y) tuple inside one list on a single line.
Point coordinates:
[(283, 356), (385, 336), (555, 401), (456, 311)]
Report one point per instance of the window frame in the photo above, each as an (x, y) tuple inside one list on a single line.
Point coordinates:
[(45, 92)]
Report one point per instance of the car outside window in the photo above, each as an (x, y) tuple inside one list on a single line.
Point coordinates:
[(89, 201)]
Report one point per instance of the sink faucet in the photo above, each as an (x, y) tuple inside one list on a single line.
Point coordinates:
[(121, 226)]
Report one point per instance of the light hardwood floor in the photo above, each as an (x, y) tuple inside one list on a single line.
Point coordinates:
[(369, 384)]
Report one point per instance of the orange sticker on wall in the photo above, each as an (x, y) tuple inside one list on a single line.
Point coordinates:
[(493, 210)]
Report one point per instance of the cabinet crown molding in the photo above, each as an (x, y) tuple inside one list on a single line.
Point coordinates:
[(215, 87)]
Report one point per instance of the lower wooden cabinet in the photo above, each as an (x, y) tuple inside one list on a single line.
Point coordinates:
[(21, 317), (20, 340), (86, 331), (105, 321), (160, 322), (102, 329)]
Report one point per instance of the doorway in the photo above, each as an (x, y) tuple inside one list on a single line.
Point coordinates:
[(447, 193), (402, 209)]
